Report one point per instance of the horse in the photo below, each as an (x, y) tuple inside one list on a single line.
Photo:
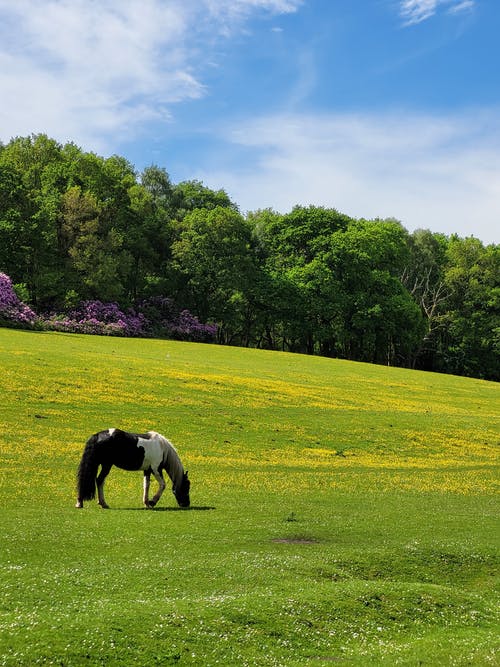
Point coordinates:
[(150, 452)]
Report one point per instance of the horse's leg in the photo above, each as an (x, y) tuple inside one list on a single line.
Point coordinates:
[(147, 480), (101, 477), (161, 487)]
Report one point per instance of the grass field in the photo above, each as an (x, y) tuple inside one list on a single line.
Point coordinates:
[(341, 513)]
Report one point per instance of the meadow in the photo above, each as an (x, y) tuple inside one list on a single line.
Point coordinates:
[(342, 513)]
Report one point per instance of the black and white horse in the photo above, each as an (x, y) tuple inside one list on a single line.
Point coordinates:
[(150, 452)]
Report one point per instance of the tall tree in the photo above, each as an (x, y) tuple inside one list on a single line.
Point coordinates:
[(214, 259), (156, 182), (424, 277), (471, 342), (14, 227), (298, 236), (30, 157), (190, 195), (380, 321)]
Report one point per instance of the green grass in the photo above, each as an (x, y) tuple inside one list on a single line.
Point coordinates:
[(341, 513)]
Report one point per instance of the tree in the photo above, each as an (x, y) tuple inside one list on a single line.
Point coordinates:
[(472, 321), (29, 157), (97, 264), (292, 247), (424, 277), (189, 195), (214, 259), (156, 182), (298, 236), (14, 230), (380, 322)]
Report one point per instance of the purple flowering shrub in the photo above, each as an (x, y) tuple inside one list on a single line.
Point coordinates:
[(156, 316), (188, 327), (12, 310), (95, 317), (166, 320), (111, 316)]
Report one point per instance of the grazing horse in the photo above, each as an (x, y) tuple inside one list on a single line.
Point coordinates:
[(150, 452)]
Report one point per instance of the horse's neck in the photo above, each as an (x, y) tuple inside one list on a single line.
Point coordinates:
[(172, 462)]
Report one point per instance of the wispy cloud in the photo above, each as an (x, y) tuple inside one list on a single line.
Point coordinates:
[(93, 71), (416, 11), (440, 172), (463, 6), (245, 7)]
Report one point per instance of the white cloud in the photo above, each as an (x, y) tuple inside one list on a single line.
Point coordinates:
[(94, 70), (242, 7), (78, 69), (441, 173), (416, 11), (464, 5)]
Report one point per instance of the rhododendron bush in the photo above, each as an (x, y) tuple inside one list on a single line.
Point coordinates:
[(157, 316), (12, 309)]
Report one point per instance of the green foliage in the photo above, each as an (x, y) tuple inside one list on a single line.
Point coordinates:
[(345, 274), (299, 235), (76, 226), (213, 258), (190, 195), (341, 512), (472, 320), (14, 230)]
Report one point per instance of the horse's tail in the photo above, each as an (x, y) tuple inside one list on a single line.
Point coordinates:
[(87, 470)]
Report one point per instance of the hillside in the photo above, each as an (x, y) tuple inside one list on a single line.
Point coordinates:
[(374, 487)]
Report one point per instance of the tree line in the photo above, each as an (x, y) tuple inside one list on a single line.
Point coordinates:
[(75, 226)]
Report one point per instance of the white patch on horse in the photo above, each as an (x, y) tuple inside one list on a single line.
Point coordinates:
[(153, 453), (153, 459), (145, 497), (105, 435)]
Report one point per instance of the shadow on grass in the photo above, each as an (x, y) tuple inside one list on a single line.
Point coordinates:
[(195, 508)]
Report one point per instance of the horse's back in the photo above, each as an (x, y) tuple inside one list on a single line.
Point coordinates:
[(119, 448), (132, 451)]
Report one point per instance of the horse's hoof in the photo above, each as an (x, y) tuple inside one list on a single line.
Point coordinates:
[(104, 506), (79, 505), (152, 503)]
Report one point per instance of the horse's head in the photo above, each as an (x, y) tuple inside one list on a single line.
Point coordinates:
[(181, 492)]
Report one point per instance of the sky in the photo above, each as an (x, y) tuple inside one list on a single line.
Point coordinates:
[(378, 108)]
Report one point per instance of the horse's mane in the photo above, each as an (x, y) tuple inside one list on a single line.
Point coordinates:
[(171, 459)]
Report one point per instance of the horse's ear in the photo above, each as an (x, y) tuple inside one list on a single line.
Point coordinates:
[(186, 474)]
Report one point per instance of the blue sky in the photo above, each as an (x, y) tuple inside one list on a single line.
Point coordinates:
[(379, 108)]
